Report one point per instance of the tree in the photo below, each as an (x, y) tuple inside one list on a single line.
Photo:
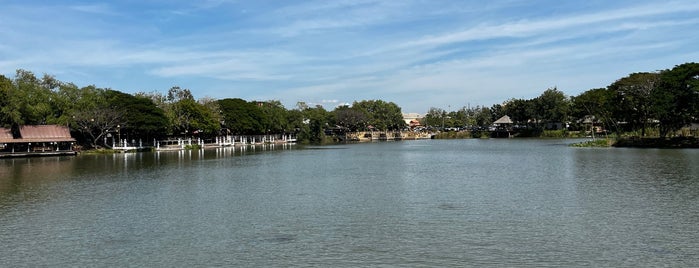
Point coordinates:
[(9, 109), (675, 102), (96, 117), (192, 118), (315, 121), (497, 111), (33, 98), (241, 117), (633, 99), (350, 117), (382, 115), (141, 117), (483, 116), (274, 117), (595, 102), (552, 106), (434, 117), (520, 111)]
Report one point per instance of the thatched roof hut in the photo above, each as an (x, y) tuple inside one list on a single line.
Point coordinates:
[(503, 120)]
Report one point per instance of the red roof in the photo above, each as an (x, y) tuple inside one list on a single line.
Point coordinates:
[(6, 135), (40, 133)]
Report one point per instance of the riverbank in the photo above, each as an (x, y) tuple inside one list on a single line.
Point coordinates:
[(668, 143)]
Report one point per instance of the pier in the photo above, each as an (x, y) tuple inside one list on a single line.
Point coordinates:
[(191, 142)]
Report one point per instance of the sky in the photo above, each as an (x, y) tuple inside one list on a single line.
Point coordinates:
[(416, 53)]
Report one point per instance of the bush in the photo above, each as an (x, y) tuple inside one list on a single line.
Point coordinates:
[(594, 143)]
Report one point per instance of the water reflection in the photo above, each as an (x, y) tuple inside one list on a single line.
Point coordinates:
[(414, 203)]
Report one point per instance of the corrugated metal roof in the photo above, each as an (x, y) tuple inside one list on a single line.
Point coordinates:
[(40, 133), (5, 135), (44, 132)]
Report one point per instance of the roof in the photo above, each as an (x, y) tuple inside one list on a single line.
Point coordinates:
[(6, 135), (40, 133), (503, 120)]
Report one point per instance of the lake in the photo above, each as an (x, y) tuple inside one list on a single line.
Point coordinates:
[(424, 203)]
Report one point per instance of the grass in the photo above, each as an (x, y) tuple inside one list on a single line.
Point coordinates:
[(594, 143)]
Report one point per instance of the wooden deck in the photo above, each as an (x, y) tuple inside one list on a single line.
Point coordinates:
[(37, 154)]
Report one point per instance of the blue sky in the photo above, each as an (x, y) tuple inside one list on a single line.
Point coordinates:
[(416, 53)]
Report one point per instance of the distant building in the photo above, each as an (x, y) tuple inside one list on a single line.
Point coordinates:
[(36, 139), (411, 118)]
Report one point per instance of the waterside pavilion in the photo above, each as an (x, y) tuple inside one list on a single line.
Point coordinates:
[(37, 140)]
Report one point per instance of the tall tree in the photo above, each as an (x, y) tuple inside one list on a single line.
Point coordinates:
[(597, 102), (675, 102), (9, 109), (633, 99), (274, 115), (552, 106), (241, 117), (141, 117), (96, 118), (521, 111), (192, 118), (434, 117), (315, 121), (382, 115), (350, 117)]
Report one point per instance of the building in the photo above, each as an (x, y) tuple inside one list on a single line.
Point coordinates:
[(36, 140), (412, 120)]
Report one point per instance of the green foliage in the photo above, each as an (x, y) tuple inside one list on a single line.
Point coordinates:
[(274, 117), (9, 111), (594, 143), (552, 106), (675, 103), (192, 147), (241, 117), (453, 135), (520, 111), (315, 121), (351, 118), (484, 117), (434, 117), (554, 133), (632, 99), (191, 117), (141, 117), (381, 115)]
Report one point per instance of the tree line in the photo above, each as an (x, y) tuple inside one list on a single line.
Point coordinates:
[(665, 101), (94, 113)]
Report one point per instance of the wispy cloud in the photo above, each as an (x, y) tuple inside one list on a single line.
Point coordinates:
[(416, 53)]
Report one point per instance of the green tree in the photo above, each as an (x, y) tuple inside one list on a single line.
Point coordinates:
[(350, 117), (521, 111), (552, 106), (96, 118), (33, 98), (675, 102), (241, 117), (142, 118), (315, 121), (9, 109), (597, 102), (382, 115), (483, 116), (274, 117), (633, 99), (192, 118), (497, 111), (434, 117)]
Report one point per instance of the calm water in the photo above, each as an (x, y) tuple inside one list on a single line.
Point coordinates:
[(531, 203)]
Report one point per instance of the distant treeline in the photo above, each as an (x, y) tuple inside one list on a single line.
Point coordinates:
[(662, 102), (665, 100)]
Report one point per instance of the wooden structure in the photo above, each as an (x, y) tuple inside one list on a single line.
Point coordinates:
[(36, 141)]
